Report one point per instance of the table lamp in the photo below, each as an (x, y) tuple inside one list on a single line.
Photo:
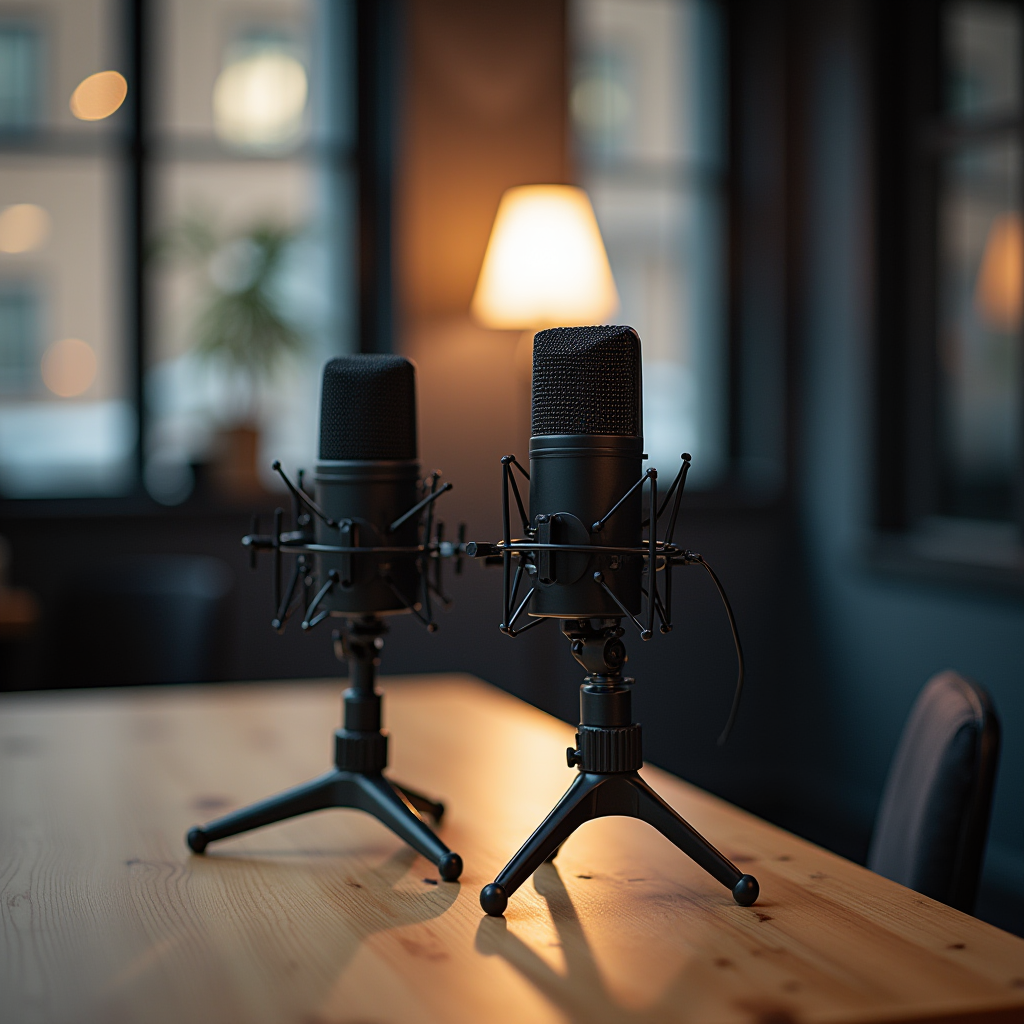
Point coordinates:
[(545, 264)]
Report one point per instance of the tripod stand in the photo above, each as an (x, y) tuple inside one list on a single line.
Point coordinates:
[(357, 779), (608, 757)]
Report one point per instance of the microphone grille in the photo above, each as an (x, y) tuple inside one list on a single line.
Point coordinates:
[(368, 408), (587, 380)]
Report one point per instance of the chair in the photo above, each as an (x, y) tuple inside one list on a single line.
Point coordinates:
[(140, 619), (933, 819)]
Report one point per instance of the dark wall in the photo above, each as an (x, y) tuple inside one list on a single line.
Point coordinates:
[(880, 637)]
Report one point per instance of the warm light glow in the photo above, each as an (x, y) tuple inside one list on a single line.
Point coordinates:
[(999, 291), (545, 264), (69, 367), (259, 101), (23, 227), (98, 96)]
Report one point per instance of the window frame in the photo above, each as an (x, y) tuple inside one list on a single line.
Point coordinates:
[(910, 536)]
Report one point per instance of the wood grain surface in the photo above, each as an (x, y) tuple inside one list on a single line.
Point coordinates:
[(329, 919)]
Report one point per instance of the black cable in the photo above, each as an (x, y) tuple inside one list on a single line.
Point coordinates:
[(739, 648)]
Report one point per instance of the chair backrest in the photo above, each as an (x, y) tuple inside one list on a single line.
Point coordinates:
[(140, 619), (933, 819)]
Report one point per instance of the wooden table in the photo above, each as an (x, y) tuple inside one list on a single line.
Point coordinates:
[(329, 918)]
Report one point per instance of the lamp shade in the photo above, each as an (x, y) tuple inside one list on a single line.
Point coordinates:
[(545, 264)]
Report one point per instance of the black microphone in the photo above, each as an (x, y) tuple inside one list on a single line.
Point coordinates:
[(369, 555), (367, 479), (586, 453), (590, 566)]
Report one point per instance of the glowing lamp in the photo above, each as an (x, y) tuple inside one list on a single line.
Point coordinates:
[(259, 101), (999, 290), (545, 264)]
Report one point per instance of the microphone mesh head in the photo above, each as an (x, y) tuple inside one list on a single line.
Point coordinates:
[(368, 408), (587, 380)]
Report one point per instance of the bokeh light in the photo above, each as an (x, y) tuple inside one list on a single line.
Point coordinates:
[(999, 291), (99, 95), (23, 228), (259, 100), (69, 367)]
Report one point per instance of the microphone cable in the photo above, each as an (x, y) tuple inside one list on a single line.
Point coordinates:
[(692, 556)]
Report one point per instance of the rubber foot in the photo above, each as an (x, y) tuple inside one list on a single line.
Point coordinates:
[(437, 813), (196, 840), (746, 891), (450, 867), (493, 899)]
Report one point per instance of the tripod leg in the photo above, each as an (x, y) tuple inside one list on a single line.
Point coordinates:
[(578, 805), (310, 796), (651, 808), (375, 795), (422, 803)]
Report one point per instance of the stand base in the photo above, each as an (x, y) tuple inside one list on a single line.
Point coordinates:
[(395, 806), (595, 795)]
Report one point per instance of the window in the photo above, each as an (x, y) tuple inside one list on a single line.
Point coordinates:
[(647, 109), (141, 238), (951, 287), (980, 270)]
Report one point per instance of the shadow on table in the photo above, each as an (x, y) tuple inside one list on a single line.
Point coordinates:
[(581, 993), (254, 915)]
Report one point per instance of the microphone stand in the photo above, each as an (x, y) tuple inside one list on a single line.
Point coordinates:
[(357, 779), (608, 750), (608, 755)]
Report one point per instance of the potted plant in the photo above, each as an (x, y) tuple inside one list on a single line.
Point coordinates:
[(240, 328)]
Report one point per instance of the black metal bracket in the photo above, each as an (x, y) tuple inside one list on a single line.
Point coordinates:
[(599, 525), (308, 621), (303, 497), (419, 506)]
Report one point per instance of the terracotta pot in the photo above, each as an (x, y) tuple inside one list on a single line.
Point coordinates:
[(233, 466)]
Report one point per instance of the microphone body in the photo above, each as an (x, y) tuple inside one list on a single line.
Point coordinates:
[(365, 496), (586, 452), (367, 477), (574, 480)]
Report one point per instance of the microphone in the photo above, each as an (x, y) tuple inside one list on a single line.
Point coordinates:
[(366, 540), (367, 532), (586, 450), (367, 481), (584, 550)]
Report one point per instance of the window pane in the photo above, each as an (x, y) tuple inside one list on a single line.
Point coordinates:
[(980, 289), (983, 58), (20, 76), (65, 424), (647, 115)]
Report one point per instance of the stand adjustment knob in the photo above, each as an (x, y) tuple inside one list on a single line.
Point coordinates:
[(573, 758)]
